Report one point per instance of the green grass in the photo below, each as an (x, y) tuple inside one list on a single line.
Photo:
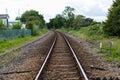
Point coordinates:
[(94, 34), (7, 45)]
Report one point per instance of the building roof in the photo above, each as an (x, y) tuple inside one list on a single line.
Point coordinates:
[(4, 16)]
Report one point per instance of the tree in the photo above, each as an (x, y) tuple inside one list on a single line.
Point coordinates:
[(69, 16), (32, 15), (32, 18), (57, 22), (112, 24), (78, 21), (81, 21)]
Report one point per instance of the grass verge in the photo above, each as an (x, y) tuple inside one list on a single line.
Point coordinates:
[(95, 35), (7, 45)]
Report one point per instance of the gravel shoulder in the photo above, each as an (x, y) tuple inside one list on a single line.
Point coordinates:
[(95, 65), (25, 65)]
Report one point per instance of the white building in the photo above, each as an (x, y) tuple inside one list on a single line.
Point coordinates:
[(4, 18)]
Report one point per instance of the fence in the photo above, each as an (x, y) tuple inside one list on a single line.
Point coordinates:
[(12, 34)]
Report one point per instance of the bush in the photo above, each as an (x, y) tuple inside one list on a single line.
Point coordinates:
[(35, 28), (17, 25), (95, 30)]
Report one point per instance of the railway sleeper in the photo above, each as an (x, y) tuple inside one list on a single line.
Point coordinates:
[(111, 78), (17, 72)]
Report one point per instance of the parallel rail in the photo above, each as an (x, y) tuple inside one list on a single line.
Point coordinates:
[(49, 53), (78, 63), (45, 61)]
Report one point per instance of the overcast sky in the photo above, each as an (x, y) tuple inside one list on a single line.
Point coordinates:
[(96, 9)]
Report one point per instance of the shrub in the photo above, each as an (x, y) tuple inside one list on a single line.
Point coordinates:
[(95, 30), (17, 25)]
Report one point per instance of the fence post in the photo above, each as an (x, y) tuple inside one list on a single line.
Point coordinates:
[(101, 46), (111, 44)]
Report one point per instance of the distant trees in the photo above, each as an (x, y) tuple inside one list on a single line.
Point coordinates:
[(32, 18), (57, 22), (69, 20), (112, 24), (81, 21)]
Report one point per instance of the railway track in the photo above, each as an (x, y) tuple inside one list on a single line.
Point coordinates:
[(61, 63)]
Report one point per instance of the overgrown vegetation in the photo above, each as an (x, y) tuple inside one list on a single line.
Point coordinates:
[(33, 21), (95, 34), (17, 25)]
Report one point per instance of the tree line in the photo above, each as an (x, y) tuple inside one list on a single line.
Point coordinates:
[(67, 19)]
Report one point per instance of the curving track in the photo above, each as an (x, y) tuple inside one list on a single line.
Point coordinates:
[(61, 62)]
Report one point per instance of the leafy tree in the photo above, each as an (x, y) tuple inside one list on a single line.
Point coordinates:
[(69, 16), (57, 22), (81, 21), (112, 24), (78, 21), (88, 21), (32, 18)]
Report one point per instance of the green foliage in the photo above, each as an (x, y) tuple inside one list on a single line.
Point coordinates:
[(57, 22), (69, 16), (2, 26), (95, 30), (32, 18), (10, 44), (31, 15), (81, 21), (112, 24), (69, 20), (31, 25), (95, 35), (17, 25)]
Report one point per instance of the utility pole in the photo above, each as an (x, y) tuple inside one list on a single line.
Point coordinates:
[(6, 10)]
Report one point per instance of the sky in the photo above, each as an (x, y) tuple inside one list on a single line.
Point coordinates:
[(95, 9)]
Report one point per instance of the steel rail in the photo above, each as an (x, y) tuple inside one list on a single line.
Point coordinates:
[(80, 66), (46, 59)]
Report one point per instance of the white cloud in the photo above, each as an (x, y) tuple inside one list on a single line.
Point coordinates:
[(96, 9)]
